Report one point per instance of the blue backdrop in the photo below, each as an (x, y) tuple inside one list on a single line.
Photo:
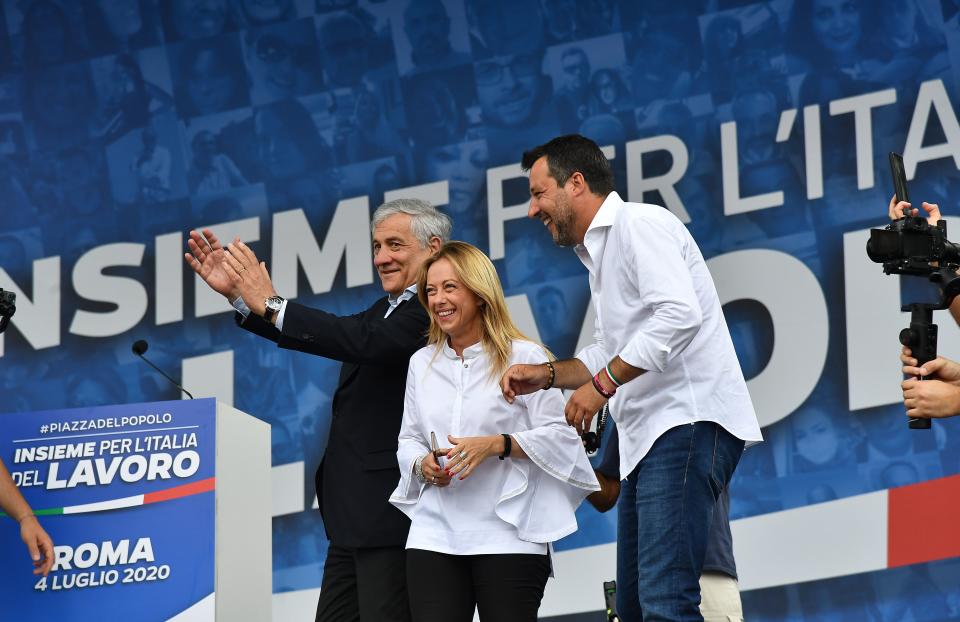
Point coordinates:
[(126, 121)]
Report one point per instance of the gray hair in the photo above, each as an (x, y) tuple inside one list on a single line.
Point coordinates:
[(426, 221)]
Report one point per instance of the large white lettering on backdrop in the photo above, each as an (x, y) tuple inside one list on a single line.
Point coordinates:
[(796, 311)]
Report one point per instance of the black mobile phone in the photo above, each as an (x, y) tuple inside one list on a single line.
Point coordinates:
[(899, 177)]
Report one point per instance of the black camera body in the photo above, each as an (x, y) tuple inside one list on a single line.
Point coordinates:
[(592, 440), (911, 246)]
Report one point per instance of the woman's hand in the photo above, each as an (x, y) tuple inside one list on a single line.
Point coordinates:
[(467, 453), (434, 475)]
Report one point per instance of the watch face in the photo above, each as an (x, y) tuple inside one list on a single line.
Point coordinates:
[(274, 302)]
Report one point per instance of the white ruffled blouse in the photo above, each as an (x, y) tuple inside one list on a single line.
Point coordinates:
[(504, 506)]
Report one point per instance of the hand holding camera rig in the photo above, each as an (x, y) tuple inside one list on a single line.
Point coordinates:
[(913, 246)]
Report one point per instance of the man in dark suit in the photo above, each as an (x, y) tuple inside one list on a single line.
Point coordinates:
[(364, 577)]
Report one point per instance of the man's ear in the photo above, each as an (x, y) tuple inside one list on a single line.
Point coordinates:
[(435, 244), (579, 183)]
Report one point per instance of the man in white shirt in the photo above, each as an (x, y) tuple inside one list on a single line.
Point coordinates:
[(662, 356)]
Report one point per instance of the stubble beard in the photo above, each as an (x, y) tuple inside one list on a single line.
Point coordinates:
[(563, 223)]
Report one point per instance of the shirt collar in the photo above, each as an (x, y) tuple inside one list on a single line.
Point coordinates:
[(406, 294), (607, 212), (603, 219), (470, 352)]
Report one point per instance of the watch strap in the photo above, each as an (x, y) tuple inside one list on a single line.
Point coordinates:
[(507, 446), (269, 311)]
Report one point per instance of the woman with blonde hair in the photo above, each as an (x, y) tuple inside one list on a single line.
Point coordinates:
[(485, 509)]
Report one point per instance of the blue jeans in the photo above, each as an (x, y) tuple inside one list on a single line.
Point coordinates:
[(665, 510)]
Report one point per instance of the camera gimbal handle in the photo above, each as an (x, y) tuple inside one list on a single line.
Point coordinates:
[(921, 338), (921, 335)]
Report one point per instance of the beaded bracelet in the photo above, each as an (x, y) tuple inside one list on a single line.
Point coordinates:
[(553, 376)]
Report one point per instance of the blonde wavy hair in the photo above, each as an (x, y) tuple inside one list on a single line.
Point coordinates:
[(476, 272)]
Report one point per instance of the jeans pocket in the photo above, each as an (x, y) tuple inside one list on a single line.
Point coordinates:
[(727, 450)]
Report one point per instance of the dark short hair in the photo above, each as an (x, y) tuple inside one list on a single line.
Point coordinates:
[(569, 154)]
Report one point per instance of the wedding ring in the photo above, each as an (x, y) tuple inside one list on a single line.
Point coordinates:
[(463, 455), (242, 268)]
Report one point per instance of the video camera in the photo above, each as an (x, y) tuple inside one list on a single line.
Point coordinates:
[(8, 306), (913, 247)]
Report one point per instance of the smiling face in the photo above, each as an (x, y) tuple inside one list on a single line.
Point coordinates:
[(550, 203), (836, 25), (455, 308), (280, 62), (397, 254), (508, 89)]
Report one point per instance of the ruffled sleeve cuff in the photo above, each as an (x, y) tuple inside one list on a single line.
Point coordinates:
[(409, 489), (540, 499)]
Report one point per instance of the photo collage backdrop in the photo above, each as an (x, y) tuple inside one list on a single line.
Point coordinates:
[(124, 120)]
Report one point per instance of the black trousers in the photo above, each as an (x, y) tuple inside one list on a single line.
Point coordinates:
[(364, 585), (503, 588)]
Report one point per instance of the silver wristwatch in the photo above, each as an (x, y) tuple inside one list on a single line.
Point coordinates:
[(272, 307)]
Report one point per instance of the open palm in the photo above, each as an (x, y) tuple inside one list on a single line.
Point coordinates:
[(206, 258)]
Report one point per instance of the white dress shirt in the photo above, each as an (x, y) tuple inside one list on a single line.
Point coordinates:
[(516, 505), (658, 309)]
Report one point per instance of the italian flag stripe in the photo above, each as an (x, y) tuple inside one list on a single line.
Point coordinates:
[(177, 492), (923, 522), (186, 490)]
